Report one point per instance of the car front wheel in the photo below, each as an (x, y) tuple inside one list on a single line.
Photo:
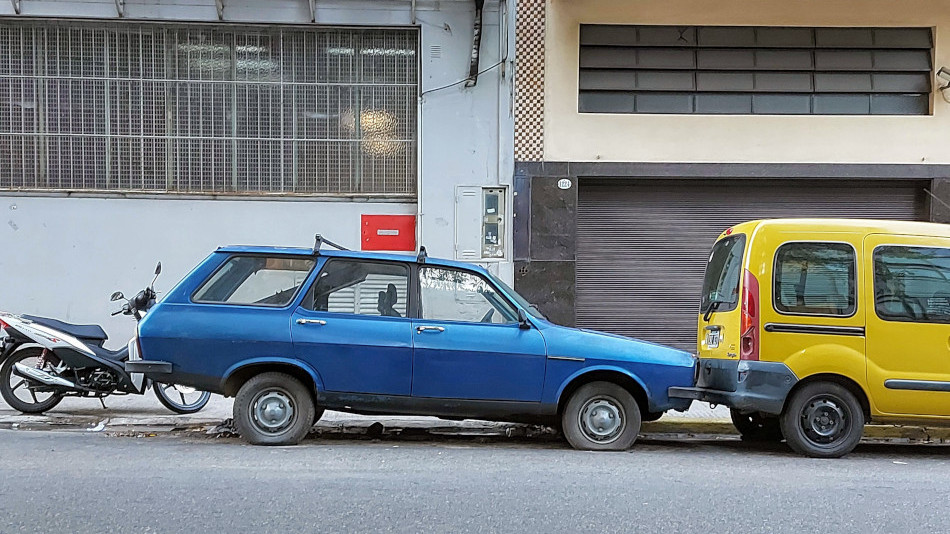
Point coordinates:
[(823, 420), (273, 409), (601, 416)]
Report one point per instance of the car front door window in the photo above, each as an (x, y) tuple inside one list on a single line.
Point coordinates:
[(455, 295)]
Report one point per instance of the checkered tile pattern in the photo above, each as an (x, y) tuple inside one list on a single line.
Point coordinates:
[(529, 79)]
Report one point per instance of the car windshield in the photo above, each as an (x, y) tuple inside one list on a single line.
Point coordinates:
[(519, 300), (721, 283)]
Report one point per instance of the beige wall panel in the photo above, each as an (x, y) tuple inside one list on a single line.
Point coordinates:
[(571, 136)]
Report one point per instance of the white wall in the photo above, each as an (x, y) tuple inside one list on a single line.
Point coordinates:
[(70, 254), (63, 257)]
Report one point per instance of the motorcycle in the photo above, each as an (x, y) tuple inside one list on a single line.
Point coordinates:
[(45, 360)]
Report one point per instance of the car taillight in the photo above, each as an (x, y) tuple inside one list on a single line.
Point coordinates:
[(3, 325), (749, 324)]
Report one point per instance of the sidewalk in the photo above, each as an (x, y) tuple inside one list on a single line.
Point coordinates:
[(135, 413)]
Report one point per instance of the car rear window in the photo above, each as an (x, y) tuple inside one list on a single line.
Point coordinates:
[(814, 278), (912, 284), (255, 281), (721, 283)]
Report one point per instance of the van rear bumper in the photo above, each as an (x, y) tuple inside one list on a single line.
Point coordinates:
[(748, 386)]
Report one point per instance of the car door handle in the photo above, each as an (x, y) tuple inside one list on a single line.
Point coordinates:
[(320, 322), (422, 329)]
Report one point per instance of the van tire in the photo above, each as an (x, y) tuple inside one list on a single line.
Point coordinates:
[(757, 426), (823, 420), (601, 401), (273, 409)]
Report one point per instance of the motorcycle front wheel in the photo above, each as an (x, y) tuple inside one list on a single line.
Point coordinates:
[(180, 399), (18, 392)]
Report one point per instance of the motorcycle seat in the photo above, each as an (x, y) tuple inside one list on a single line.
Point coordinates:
[(92, 332)]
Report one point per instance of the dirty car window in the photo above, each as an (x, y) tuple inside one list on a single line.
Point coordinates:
[(255, 280)]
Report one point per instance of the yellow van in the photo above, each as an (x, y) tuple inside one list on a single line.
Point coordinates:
[(810, 328)]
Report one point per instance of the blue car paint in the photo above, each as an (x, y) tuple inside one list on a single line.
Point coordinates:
[(385, 356), (207, 342), (498, 361)]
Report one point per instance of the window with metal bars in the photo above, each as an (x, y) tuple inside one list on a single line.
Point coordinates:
[(755, 70), (202, 109)]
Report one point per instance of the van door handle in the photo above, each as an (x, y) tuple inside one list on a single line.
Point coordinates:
[(320, 322), (422, 329)]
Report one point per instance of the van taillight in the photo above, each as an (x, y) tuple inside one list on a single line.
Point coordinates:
[(749, 324)]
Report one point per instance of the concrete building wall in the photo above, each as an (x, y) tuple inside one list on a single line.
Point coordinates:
[(572, 136), (66, 252)]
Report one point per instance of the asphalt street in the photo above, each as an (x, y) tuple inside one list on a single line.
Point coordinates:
[(95, 482)]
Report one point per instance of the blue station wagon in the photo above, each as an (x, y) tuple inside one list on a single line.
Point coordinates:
[(291, 332)]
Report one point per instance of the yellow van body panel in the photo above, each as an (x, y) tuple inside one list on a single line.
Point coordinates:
[(854, 343)]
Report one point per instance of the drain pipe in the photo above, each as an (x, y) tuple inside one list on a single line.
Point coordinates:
[(476, 44)]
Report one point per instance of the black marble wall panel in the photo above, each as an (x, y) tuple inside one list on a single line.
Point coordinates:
[(940, 206), (553, 225), (549, 285)]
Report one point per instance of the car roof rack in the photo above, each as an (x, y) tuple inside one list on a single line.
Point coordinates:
[(421, 257), (320, 240)]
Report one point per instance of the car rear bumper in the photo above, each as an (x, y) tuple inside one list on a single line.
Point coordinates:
[(749, 386)]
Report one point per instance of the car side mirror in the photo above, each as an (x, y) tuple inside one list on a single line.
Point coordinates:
[(523, 319), (117, 296)]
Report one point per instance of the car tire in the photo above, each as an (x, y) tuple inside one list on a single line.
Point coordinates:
[(273, 409), (601, 416), (757, 426), (823, 420), (9, 383)]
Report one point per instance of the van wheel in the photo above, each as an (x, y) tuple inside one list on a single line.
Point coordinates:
[(273, 409), (823, 420), (757, 426), (601, 416)]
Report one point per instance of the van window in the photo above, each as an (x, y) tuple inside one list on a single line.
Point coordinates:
[(721, 283), (815, 279), (912, 284)]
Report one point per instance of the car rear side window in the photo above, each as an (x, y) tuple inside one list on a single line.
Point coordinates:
[(814, 278), (255, 281), (912, 284), (361, 288), (721, 283)]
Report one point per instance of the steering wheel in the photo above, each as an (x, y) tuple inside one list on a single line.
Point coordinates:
[(487, 317)]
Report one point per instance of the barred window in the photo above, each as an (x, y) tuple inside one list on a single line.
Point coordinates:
[(222, 109)]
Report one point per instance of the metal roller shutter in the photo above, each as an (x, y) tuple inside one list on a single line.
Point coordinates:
[(642, 246)]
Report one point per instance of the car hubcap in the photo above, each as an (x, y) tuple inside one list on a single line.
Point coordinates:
[(273, 411), (824, 420), (601, 419)]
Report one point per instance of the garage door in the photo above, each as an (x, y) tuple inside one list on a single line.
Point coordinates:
[(642, 246)]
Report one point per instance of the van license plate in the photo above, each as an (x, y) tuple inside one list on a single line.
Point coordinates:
[(712, 338)]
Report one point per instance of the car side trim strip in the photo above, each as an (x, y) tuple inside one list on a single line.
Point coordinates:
[(815, 329), (917, 385), (566, 358)]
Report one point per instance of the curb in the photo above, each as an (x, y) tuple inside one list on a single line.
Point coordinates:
[(379, 427)]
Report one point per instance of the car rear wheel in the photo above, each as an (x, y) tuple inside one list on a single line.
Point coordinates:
[(757, 426), (823, 420), (601, 416), (273, 409)]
